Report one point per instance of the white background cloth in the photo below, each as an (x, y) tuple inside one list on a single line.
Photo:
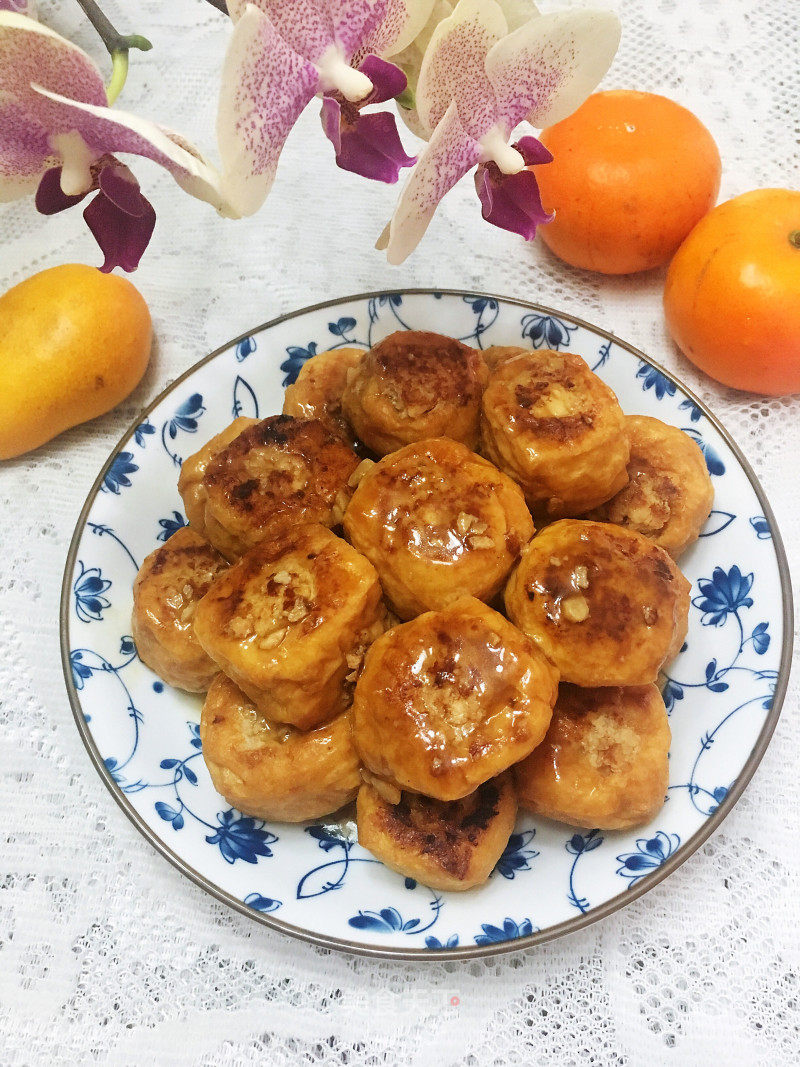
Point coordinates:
[(107, 954)]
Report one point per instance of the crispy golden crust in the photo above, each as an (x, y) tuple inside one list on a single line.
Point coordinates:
[(438, 522), (669, 494), (450, 845), (270, 770), (193, 469), (605, 761), (166, 591), (495, 354), (604, 604), (277, 473), (414, 385), (289, 623), (317, 392), (451, 699), (557, 429)]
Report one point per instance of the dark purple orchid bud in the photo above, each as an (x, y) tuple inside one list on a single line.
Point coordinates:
[(121, 219), (365, 144), (512, 201)]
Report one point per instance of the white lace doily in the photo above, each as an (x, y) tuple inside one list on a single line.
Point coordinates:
[(108, 954)]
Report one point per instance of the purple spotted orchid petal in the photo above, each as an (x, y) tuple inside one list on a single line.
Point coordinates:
[(365, 144), (388, 80), (50, 197), (21, 7), (512, 201), (121, 219), (447, 157)]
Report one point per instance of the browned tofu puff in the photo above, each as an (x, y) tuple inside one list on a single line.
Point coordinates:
[(438, 522), (193, 469), (317, 392), (605, 760), (604, 604), (289, 623), (447, 845), (277, 473), (415, 385), (669, 493), (557, 429), (451, 699), (166, 592), (271, 770)]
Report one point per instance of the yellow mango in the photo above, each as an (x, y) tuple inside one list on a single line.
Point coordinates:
[(74, 342)]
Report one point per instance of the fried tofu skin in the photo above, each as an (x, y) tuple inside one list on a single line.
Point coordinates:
[(604, 604), (273, 771), (446, 845), (556, 428), (193, 469), (451, 699), (289, 623), (605, 761), (166, 592), (669, 494), (414, 385), (317, 391), (438, 522), (277, 473)]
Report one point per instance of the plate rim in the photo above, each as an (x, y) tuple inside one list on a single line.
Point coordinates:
[(539, 937)]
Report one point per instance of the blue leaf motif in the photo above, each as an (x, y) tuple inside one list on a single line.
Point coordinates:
[(761, 527), (655, 380), (169, 814), (246, 347), (510, 931), (244, 397), (329, 837), (761, 638), (342, 326), (186, 415), (386, 921), (116, 477), (241, 837), (671, 692), (717, 522), (578, 844), (262, 904), (80, 672), (170, 526), (127, 647), (141, 431), (297, 357), (516, 856), (434, 942), (690, 406), (546, 331)]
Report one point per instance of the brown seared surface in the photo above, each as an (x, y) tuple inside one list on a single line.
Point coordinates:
[(317, 391)]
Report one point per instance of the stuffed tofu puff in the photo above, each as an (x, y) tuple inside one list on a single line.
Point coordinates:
[(604, 604), (289, 623), (317, 391), (193, 469), (277, 473), (451, 699), (414, 385), (437, 522), (167, 589), (556, 428), (271, 770)]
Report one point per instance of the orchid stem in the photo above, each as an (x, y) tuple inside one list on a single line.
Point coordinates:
[(118, 45), (220, 5)]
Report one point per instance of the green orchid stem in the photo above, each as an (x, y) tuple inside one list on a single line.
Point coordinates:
[(118, 45)]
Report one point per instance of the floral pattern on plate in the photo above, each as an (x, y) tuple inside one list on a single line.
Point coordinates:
[(314, 881)]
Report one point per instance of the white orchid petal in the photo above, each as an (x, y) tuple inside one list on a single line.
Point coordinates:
[(76, 162), (336, 73), (454, 66), (518, 12), (400, 23), (545, 70), (447, 157), (265, 87), (496, 147), (31, 52), (305, 25)]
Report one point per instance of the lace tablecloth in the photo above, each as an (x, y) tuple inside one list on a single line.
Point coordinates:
[(108, 954)]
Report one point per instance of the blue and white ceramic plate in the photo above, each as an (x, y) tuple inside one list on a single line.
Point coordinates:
[(315, 882)]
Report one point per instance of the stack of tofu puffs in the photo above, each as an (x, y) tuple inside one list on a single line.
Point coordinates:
[(441, 583)]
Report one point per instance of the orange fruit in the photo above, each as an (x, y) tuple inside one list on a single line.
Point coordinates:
[(732, 293), (632, 173), (74, 342)]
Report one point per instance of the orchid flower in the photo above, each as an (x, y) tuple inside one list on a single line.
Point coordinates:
[(489, 66), (21, 7), (285, 52), (58, 137)]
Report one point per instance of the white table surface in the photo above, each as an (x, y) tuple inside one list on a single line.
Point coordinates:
[(107, 954)]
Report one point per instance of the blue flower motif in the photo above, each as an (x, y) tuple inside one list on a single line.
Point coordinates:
[(127, 646), (246, 347), (194, 730), (385, 921), (723, 595), (654, 379), (760, 638), (141, 430), (329, 837), (88, 588), (651, 853), (434, 942), (578, 844), (546, 331), (169, 526), (713, 461), (510, 931), (241, 838), (479, 304), (690, 406), (262, 904), (171, 815), (761, 527), (80, 672), (186, 416), (671, 692), (515, 856), (297, 357), (117, 474), (342, 326)]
